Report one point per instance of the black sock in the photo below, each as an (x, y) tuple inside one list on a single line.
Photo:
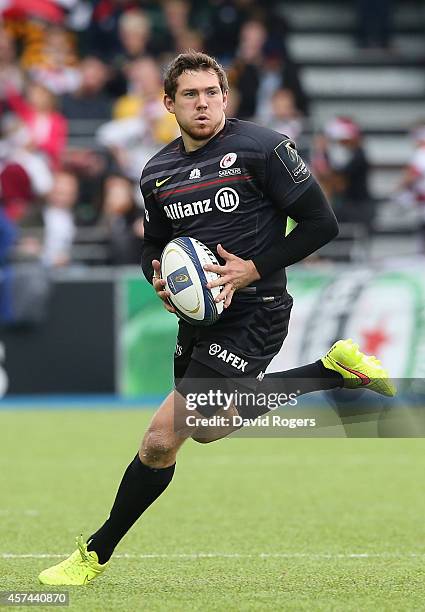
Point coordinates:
[(139, 488), (308, 378)]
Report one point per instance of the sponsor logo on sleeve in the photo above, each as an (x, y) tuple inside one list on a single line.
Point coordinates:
[(287, 152)]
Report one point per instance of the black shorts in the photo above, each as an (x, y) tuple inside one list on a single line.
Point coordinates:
[(240, 345)]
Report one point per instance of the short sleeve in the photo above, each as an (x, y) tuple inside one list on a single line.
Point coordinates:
[(287, 176)]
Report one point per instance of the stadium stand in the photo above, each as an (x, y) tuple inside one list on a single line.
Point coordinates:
[(382, 88)]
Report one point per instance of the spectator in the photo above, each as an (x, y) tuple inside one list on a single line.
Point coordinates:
[(102, 35), (123, 220), (411, 189), (46, 128), (281, 73), (10, 74), (258, 75), (320, 164), (134, 32), (245, 74), (283, 115), (189, 39), (340, 163), (139, 82), (144, 88), (277, 29), (223, 27), (27, 21), (42, 11), (89, 101), (16, 192), (144, 126), (57, 68), (58, 218), (24, 173), (176, 28)]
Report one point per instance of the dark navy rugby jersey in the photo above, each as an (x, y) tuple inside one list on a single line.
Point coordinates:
[(233, 191)]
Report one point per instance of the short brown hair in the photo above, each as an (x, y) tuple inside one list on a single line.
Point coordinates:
[(192, 60)]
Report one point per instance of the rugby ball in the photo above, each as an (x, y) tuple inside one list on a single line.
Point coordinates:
[(182, 267)]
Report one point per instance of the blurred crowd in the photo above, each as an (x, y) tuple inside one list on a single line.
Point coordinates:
[(72, 67)]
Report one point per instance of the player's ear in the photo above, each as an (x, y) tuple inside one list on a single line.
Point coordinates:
[(225, 98), (169, 104)]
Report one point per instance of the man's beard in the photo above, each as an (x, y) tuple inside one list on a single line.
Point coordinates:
[(201, 134)]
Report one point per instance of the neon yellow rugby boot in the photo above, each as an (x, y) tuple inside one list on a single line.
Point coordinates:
[(78, 569), (357, 369)]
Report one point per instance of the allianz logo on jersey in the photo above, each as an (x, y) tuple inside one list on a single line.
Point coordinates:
[(177, 210), (226, 200)]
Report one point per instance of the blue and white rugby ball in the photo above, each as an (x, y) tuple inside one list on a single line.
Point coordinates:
[(182, 267)]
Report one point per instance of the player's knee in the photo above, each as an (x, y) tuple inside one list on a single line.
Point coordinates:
[(156, 447)]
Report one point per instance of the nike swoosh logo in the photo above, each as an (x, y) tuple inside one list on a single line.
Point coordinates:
[(159, 183), (364, 380)]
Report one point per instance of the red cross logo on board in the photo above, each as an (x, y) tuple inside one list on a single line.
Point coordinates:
[(374, 340)]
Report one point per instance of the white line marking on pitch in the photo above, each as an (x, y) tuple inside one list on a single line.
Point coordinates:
[(218, 555)]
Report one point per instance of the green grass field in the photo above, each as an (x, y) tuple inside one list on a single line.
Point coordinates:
[(247, 524)]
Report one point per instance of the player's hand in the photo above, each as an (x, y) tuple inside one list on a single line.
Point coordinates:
[(159, 286), (235, 274)]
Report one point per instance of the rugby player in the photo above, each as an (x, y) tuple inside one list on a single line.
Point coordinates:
[(231, 184)]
